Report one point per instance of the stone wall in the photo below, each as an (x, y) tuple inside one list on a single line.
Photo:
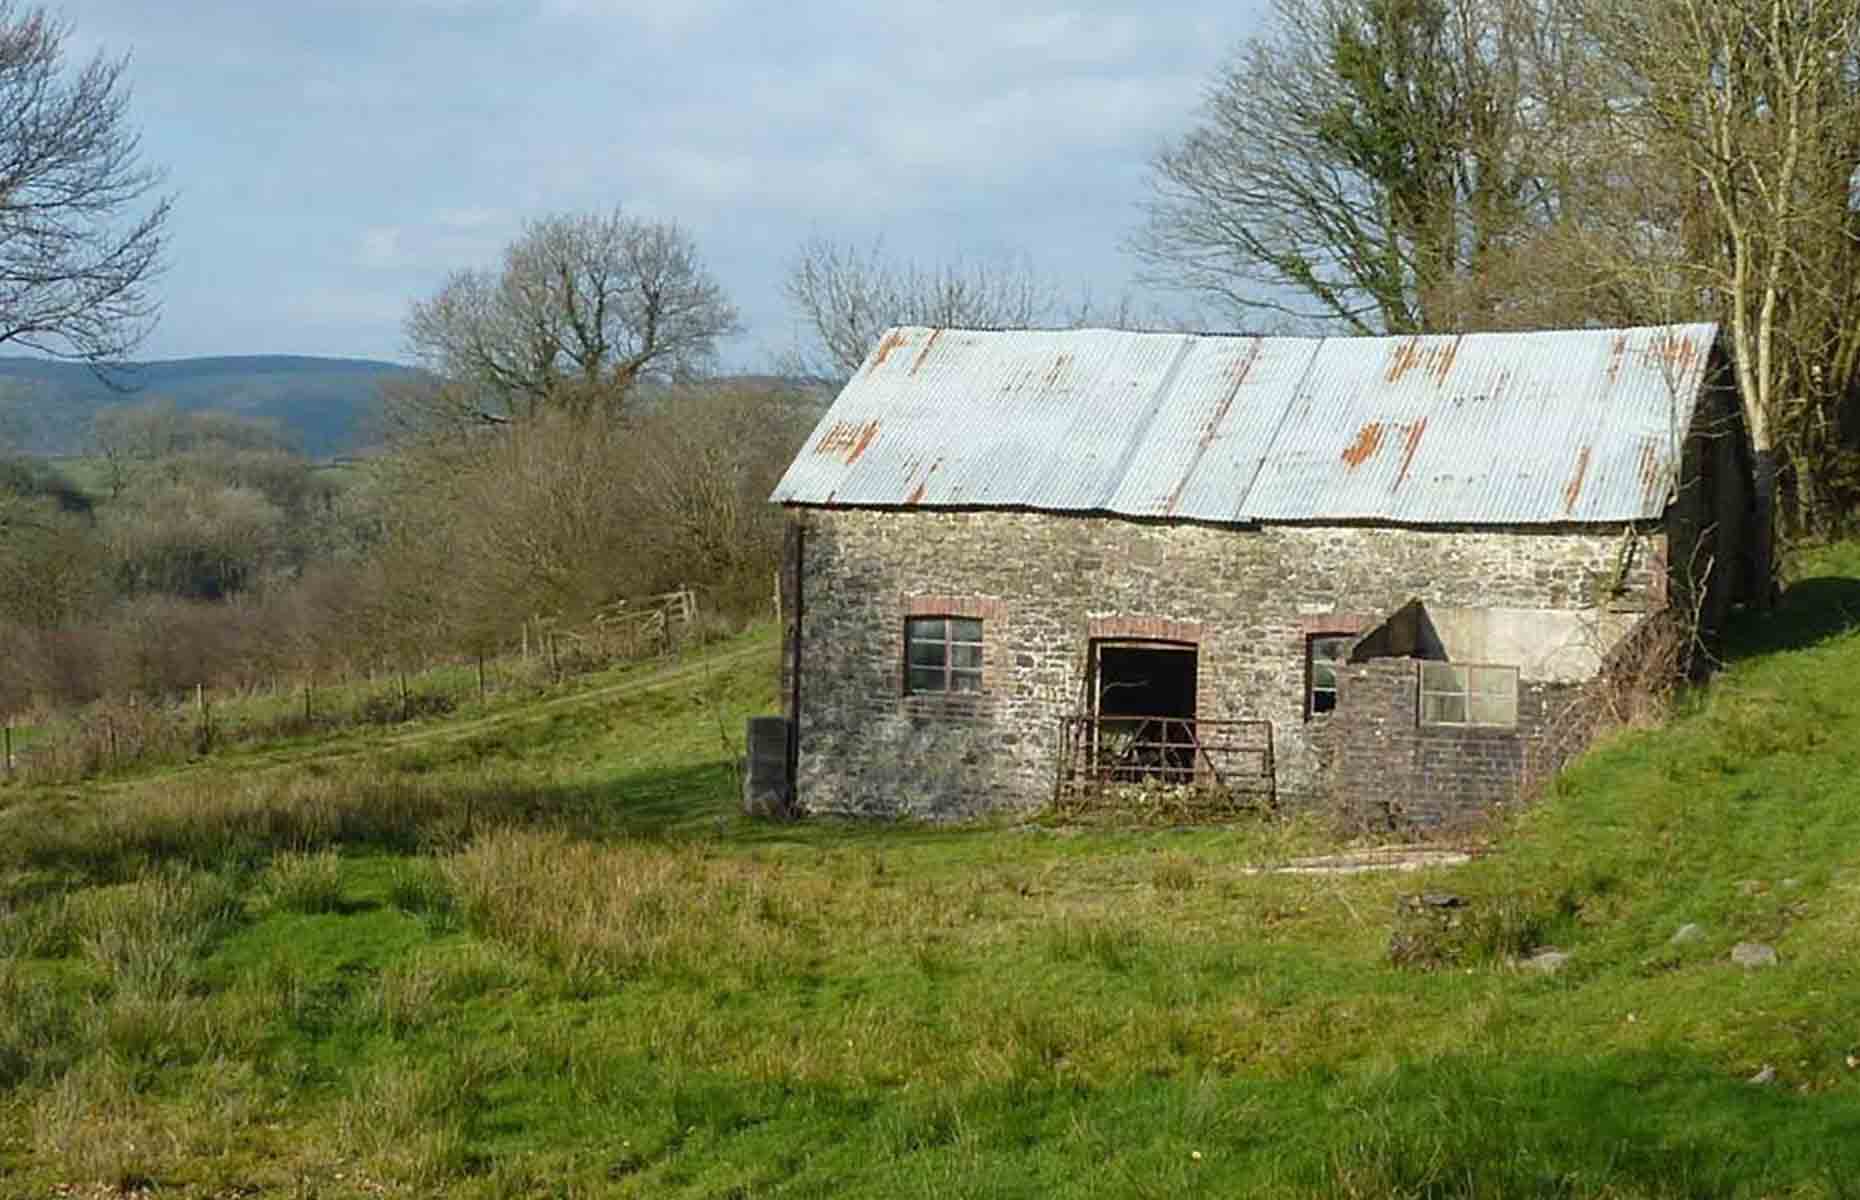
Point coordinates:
[(1045, 584)]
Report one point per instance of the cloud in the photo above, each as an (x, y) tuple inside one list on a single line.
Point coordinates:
[(380, 249), (340, 158)]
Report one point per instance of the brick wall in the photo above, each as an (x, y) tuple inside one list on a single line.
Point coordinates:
[(1046, 584), (1389, 771)]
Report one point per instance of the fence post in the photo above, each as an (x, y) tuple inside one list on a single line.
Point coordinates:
[(481, 677), (555, 661), (403, 696), (109, 731), (307, 717), (9, 748), (206, 724)]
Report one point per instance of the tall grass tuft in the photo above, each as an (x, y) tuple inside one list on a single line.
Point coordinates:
[(209, 821), (617, 912), (414, 1121), (1110, 944), (94, 1126), (147, 935), (304, 883), (38, 1028)]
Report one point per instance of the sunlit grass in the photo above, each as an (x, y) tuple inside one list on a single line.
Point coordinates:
[(546, 957)]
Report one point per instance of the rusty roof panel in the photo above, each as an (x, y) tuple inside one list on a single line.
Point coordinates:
[(1491, 428), (1477, 429), (1221, 408)]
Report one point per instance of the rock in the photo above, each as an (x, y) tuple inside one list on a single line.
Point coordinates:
[(1766, 1075), (1749, 887), (1789, 885), (1547, 961), (1441, 900), (1751, 955), (766, 790), (1686, 934)]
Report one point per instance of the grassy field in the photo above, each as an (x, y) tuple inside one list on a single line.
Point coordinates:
[(536, 954), (133, 737)]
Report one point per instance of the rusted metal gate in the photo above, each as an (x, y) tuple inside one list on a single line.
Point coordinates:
[(1214, 766)]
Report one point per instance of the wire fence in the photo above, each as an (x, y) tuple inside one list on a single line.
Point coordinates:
[(123, 732)]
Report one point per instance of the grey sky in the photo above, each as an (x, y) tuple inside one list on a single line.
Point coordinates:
[(334, 159)]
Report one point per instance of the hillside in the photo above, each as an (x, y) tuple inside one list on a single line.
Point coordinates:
[(532, 951), (322, 403)]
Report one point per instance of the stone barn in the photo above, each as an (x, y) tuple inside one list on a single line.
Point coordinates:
[(1034, 565)]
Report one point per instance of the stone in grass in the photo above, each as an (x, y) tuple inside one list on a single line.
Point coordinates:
[(1766, 1076), (1686, 934), (1546, 961), (1751, 955)]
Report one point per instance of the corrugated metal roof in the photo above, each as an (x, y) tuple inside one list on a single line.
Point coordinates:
[(1495, 428)]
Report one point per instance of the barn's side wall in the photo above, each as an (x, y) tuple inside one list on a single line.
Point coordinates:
[(1708, 523), (1045, 584)]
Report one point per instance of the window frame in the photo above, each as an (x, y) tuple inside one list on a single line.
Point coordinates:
[(950, 643), (1469, 692), (1312, 662)]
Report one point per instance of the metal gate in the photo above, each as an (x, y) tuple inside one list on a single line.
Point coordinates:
[(1213, 766)]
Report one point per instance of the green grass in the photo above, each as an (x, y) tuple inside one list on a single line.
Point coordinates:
[(541, 955), (129, 739)]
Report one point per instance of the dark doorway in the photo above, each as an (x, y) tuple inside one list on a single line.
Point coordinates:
[(1145, 680), (1145, 698)]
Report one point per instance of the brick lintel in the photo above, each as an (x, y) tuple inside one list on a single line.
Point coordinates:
[(1146, 629)]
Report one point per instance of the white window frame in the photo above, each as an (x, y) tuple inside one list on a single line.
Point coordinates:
[(1486, 695), (1314, 665)]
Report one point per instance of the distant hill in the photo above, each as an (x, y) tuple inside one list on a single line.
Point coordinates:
[(322, 404)]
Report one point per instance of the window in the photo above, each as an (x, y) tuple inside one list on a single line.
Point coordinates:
[(1455, 695), (943, 654), (1324, 655)]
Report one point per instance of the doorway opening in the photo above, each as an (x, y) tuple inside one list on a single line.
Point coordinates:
[(1147, 679), (1143, 696)]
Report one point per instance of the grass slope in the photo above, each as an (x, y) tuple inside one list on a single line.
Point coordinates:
[(545, 958)]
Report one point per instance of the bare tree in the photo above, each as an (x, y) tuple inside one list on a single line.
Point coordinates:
[(1357, 164), (51, 564), (81, 229), (1753, 107), (846, 297), (134, 440), (697, 482), (582, 309)]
